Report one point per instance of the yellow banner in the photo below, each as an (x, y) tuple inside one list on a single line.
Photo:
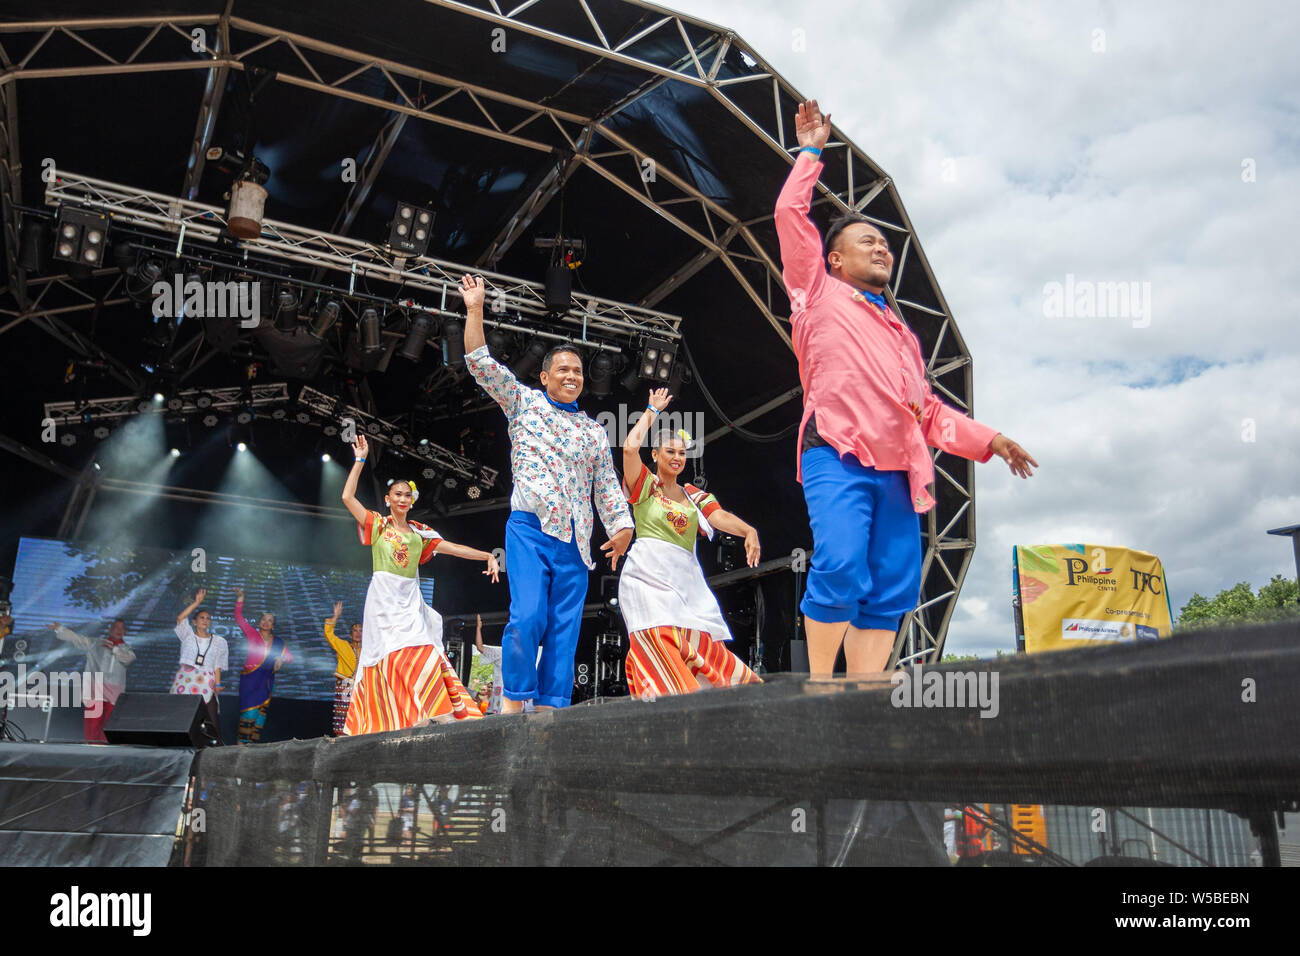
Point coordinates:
[(1078, 595)]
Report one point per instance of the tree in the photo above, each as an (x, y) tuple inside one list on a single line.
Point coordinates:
[(1238, 604)]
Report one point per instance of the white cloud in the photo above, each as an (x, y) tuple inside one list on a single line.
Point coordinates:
[(1124, 165)]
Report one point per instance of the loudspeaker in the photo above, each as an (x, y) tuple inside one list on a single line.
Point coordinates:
[(161, 720)]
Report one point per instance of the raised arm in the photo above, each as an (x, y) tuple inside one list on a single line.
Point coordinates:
[(471, 290), (185, 614), (360, 448), (803, 268), (632, 464)]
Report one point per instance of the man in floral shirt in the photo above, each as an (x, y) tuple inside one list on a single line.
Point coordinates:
[(559, 458)]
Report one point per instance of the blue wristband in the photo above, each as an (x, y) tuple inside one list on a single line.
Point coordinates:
[(651, 408), (812, 149)]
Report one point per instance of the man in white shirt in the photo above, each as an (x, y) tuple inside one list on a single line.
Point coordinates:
[(105, 676), (560, 459)]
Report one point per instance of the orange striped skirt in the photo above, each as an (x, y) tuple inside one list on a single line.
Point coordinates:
[(409, 685), (678, 660)]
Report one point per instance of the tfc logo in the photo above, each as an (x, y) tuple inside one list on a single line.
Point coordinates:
[(1143, 581)]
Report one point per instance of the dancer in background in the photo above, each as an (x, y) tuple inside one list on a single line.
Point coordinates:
[(345, 667), (266, 655), (676, 628), (105, 676), (492, 655), (203, 657), (868, 417), (405, 679), (560, 458)]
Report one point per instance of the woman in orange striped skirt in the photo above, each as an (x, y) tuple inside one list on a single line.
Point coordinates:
[(403, 678), (677, 630)]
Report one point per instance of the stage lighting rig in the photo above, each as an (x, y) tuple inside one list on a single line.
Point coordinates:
[(656, 361), (248, 201), (371, 331), (408, 233), (413, 347), (326, 315), (81, 235), (601, 378), (566, 256)]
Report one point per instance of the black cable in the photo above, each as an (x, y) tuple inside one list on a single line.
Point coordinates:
[(744, 433)]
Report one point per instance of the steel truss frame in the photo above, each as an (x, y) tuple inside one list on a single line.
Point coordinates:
[(383, 432), (851, 180)]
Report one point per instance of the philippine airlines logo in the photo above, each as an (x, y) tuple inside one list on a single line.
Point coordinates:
[(1090, 629)]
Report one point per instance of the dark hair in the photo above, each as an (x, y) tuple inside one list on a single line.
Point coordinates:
[(664, 434), (839, 225), (399, 481), (117, 620), (201, 610), (550, 356)]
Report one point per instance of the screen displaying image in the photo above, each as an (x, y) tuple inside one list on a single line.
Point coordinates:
[(85, 586)]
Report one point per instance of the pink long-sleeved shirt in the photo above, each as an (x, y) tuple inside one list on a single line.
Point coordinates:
[(861, 370)]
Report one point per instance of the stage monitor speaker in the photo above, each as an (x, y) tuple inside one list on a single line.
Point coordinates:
[(161, 720)]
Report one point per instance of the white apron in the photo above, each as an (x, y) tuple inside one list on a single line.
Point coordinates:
[(396, 617), (663, 585)]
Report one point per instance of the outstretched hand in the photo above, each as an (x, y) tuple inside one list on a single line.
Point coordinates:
[(338, 609), (616, 546), (1017, 459), (472, 291), (493, 569), (659, 398), (360, 446), (810, 126)]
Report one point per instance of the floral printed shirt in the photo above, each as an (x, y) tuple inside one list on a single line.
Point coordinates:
[(559, 459)]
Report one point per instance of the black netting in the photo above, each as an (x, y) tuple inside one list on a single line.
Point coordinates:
[(1080, 755)]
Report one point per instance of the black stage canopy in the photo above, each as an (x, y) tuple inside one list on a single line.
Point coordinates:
[(658, 139)]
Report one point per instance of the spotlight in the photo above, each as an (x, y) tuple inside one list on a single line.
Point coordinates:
[(81, 237), (449, 483), (101, 432), (286, 314), (175, 403), (143, 405), (67, 439), (157, 398), (248, 202), (325, 457), (531, 361), (324, 320), (413, 347), (374, 428), (244, 415), (242, 447), (498, 343), (601, 381), (176, 453), (399, 439), (473, 492), (279, 414), (656, 362), (97, 467), (429, 473), (302, 418), (330, 430), (631, 380), (371, 331), (424, 443), (210, 420), (453, 343), (203, 401), (410, 228)]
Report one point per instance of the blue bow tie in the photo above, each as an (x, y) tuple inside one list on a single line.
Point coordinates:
[(566, 406)]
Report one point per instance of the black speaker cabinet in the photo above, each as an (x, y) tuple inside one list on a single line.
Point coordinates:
[(161, 720)]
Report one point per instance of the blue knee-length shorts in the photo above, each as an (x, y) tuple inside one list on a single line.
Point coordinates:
[(866, 563)]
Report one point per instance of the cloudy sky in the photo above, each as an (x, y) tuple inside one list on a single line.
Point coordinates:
[(1152, 143)]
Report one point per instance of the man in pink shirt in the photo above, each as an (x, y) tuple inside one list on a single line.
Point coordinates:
[(867, 421)]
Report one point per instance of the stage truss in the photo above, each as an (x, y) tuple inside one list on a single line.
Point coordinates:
[(851, 180)]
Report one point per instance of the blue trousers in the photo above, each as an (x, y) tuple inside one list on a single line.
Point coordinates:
[(866, 564), (548, 585)]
